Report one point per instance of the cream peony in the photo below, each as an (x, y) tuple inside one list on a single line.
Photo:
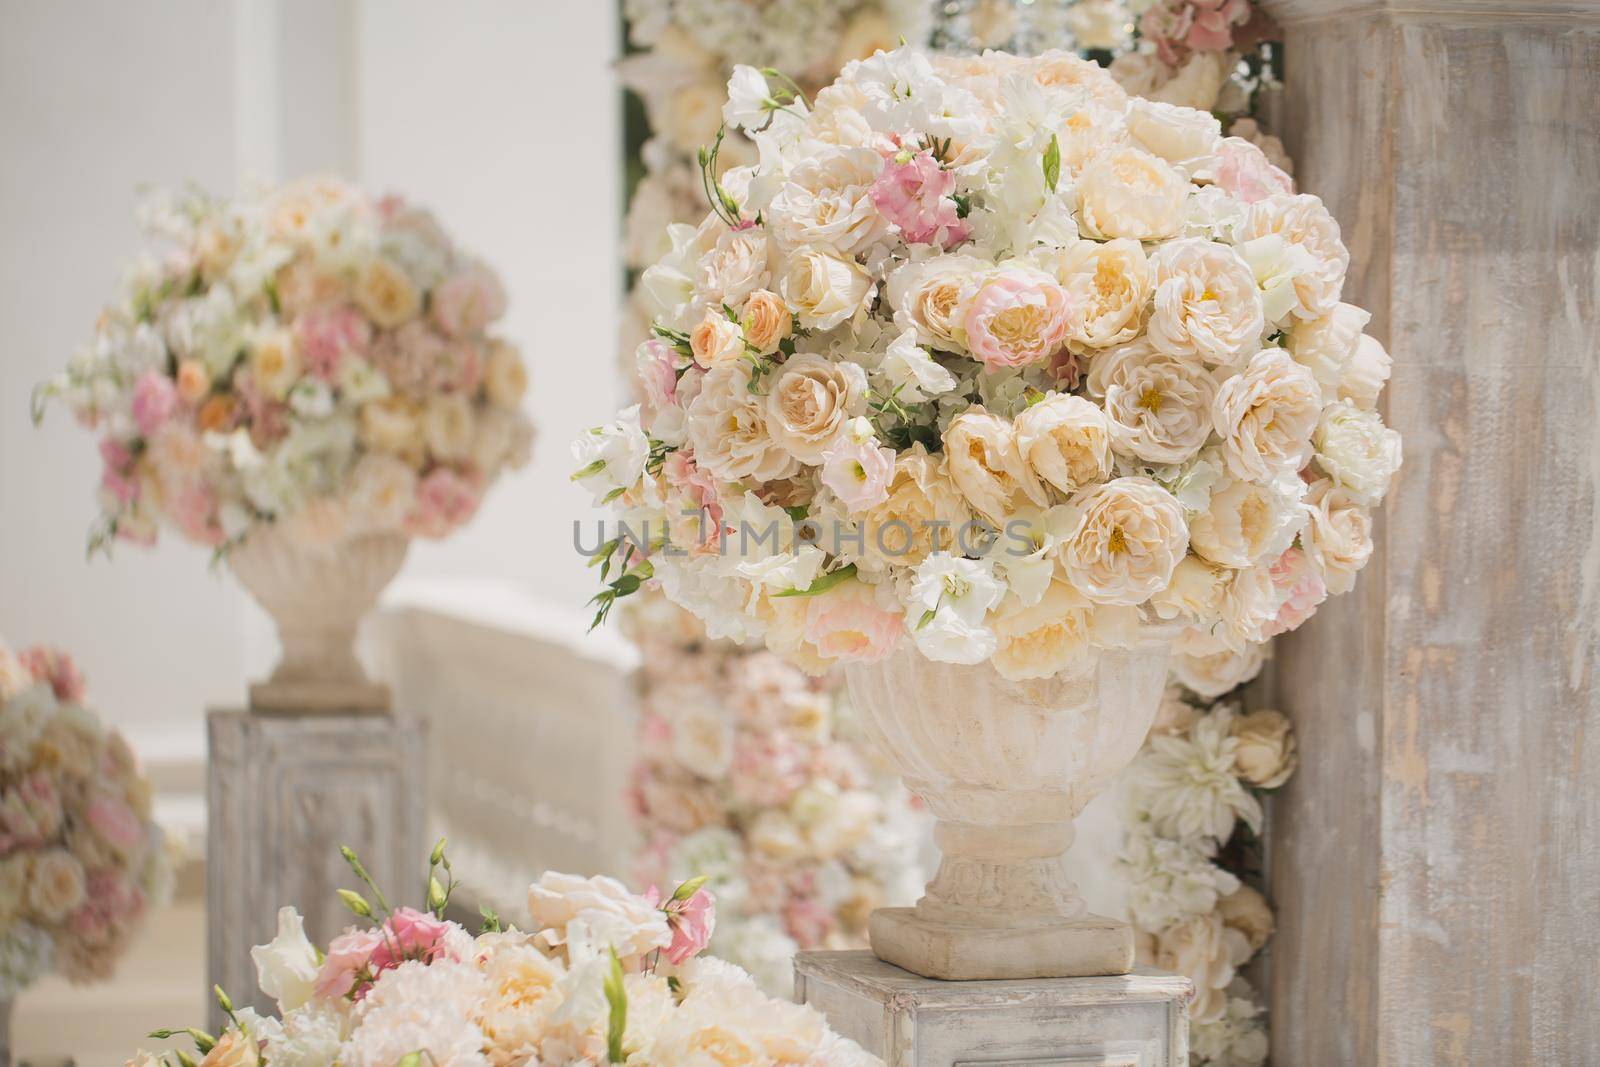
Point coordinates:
[(1183, 136), (727, 426), (824, 290), (1052, 635), (1128, 539), (1303, 221), (930, 296), (1112, 282), (1265, 416), (826, 202), (1065, 441), (1357, 450), (1246, 911), (1265, 748), (734, 268), (1127, 192), (1326, 346), (1248, 522), (987, 466), (1338, 534), (1206, 302), (1159, 406), (810, 401)]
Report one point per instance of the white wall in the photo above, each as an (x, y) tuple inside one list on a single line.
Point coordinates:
[(502, 116)]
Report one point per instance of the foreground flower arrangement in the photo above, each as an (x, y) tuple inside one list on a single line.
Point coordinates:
[(756, 775), (602, 976), (306, 356), (81, 862), (987, 355)]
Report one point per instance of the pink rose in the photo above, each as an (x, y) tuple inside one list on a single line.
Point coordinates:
[(155, 399), (466, 302), (1018, 317), (691, 922), (327, 335), (116, 824), (846, 624), (1301, 589), (409, 934), (56, 667), (697, 484), (858, 472), (117, 478), (1213, 21), (445, 500), (1245, 173), (913, 192), (348, 965)]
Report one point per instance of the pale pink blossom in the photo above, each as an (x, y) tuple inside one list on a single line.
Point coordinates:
[(1179, 27), (847, 625), (117, 477), (768, 768), (466, 302), (658, 372), (329, 335), (194, 509), (116, 824), (1300, 586), (409, 934), (348, 964), (445, 500), (57, 668), (691, 922), (155, 399), (1245, 173), (1017, 317), (807, 921), (858, 472), (913, 192)]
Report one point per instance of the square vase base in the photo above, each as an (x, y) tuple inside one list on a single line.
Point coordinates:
[(307, 698), (1071, 948)]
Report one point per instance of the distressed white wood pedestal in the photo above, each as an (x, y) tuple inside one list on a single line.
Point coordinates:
[(285, 791), (1130, 1020)]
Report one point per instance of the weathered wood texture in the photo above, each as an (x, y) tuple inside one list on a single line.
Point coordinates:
[(1435, 861)]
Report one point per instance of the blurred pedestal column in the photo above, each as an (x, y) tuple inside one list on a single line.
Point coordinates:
[(285, 791), (1433, 861), (1129, 1020)]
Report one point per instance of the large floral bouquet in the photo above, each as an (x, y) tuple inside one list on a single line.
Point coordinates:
[(81, 862), (753, 774), (306, 355), (602, 976), (988, 355)]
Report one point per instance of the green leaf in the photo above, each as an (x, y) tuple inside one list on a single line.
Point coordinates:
[(617, 998), (690, 888), (1052, 163), (824, 583), (410, 1059)]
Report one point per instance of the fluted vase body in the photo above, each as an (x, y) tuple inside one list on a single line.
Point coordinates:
[(1005, 766), (317, 598)]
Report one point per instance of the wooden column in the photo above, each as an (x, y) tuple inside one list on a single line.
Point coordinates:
[(1436, 860)]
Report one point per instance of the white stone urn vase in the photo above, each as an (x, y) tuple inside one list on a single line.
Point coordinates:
[(1005, 767), (317, 599)]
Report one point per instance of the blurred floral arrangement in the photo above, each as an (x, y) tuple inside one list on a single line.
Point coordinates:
[(604, 976), (751, 772), (81, 861), (305, 355)]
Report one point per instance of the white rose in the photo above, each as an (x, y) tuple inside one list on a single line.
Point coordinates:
[(287, 966), (826, 202), (56, 885), (1111, 280), (727, 425), (1208, 952), (1212, 674), (1159, 406), (1338, 534), (448, 426), (1357, 450), (1101, 24), (1127, 192), (824, 290), (1303, 221), (1139, 73), (605, 909), (382, 490), (1182, 136), (811, 399), (1326, 346), (1366, 375), (1128, 539), (1197, 83), (611, 458), (910, 373), (1247, 522), (774, 834), (931, 296), (1066, 441), (1206, 302), (735, 267), (986, 465), (1265, 416)]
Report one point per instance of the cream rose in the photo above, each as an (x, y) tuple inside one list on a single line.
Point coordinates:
[(766, 321), (735, 267), (1250, 601), (1327, 345), (1182, 136), (1111, 282), (689, 115), (55, 885), (1266, 415), (1159, 406), (824, 290), (393, 425), (448, 426), (1127, 192), (727, 425), (1055, 633), (1066, 441), (1338, 534), (1366, 375), (1303, 221), (505, 378), (383, 291), (1246, 911), (1128, 539), (1248, 522), (987, 466), (811, 399), (931, 296), (1357, 450), (1211, 674), (717, 339), (826, 202), (1207, 952), (1264, 748), (922, 514), (1206, 302), (1194, 594), (275, 362)]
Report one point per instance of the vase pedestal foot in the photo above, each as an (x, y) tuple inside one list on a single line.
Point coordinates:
[(955, 952), (305, 698)]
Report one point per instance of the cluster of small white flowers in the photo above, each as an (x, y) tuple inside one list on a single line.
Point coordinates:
[(989, 355)]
